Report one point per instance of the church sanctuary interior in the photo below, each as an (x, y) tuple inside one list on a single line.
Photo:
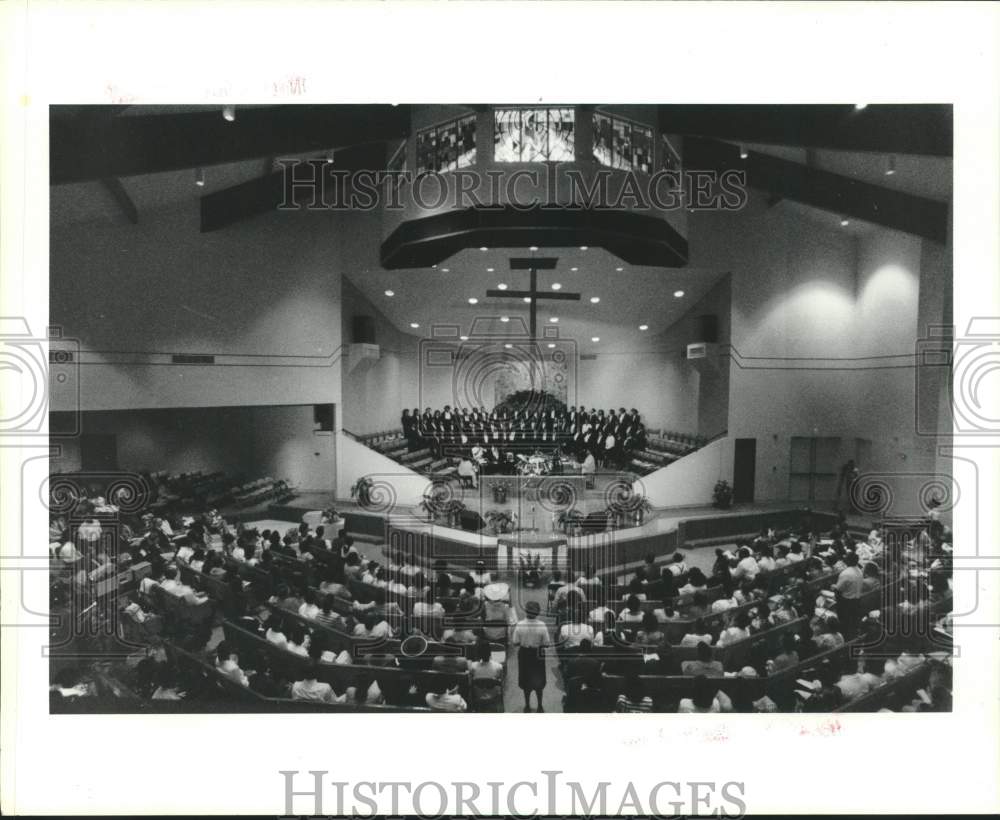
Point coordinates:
[(500, 408)]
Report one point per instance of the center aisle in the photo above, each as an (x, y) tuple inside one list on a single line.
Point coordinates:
[(552, 697)]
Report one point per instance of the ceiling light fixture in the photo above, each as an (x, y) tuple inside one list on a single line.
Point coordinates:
[(199, 177), (484, 249), (643, 327), (329, 158), (743, 152), (505, 318), (533, 248), (508, 345), (595, 299), (527, 299), (574, 269), (489, 270), (502, 286), (554, 319), (860, 106), (414, 324), (619, 269), (444, 270), (844, 223), (390, 293), (556, 286), (595, 338), (583, 247), (678, 294), (473, 300), (890, 168), (551, 345), (229, 113), (463, 338)]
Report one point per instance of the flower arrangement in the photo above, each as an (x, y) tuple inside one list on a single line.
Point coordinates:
[(361, 490), (722, 495), (501, 521), (500, 489), (531, 568)]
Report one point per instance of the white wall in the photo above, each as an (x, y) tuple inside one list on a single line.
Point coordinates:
[(690, 480), (397, 488), (263, 296)]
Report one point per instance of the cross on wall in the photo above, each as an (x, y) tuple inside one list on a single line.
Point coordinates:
[(533, 294)]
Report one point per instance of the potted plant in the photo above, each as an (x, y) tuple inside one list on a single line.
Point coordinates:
[(570, 521), (501, 521), (500, 490), (722, 495), (452, 512), (641, 508), (361, 490), (531, 569)]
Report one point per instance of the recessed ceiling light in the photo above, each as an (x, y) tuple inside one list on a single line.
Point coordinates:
[(505, 318), (595, 299), (508, 345), (891, 166), (484, 249), (199, 178), (595, 338), (390, 293), (502, 286), (743, 152), (554, 319), (583, 247), (643, 327), (414, 324), (574, 269), (844, 223), (444, 270), (463, 338), (527, 298), (229, 113), (860, 106), (473, 300), (489, 270), (434, 265), (619, 269), (551, 345), (678, 294), (556, 286), (533, 248)]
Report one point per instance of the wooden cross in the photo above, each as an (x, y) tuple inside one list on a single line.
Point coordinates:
[(533, 265)]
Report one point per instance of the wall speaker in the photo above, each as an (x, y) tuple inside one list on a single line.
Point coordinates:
[(363, 330)]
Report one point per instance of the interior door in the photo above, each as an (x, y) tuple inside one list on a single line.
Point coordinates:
[(744, 470)]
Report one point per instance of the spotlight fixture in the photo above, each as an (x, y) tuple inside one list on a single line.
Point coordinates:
[(554, 320), (444, 270), (678, 294), (390, 293), (890, 167), (473, 300), (743, 152), (574, 269), (551, 345), (643, 327), (619, 270), (556, 286), (489, 270), (484, 249), (463, 338), (527, 299), (595, 299), (502, 286), (505, 318), (229, 113), (199, 177), (434, 265), (533, 248), (583, 247), (595, 338), (860, 106), (508, 345), (844, 223), (414, 325), (329, 158)]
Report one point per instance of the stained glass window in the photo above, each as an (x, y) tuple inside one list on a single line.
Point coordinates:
[(534, 135), (447, 147), (619, 143)]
